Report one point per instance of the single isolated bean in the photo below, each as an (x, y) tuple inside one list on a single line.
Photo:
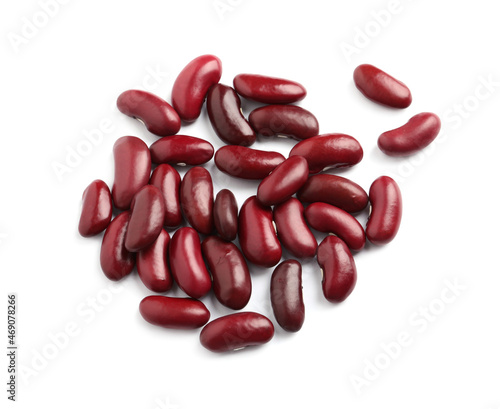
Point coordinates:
[(284, 120), (152, 264), (286, 295), (97, 209), (228, 122), (168, 180), (329, 151), (175, 313), (247, 163), (181, 150), (132, 169), (413, 136), (192, 84), (197, 199), (380, 87), (386, 212), (257, 235), (236, 331), (330, 219), (339, 271), (226, 215), (116, 260), (156, 113), (292, 229), (146, 218), (186, 263), (284, 181), (268, 90), (231, 277)]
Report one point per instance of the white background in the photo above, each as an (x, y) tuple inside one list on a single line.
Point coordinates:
[(63, 82)]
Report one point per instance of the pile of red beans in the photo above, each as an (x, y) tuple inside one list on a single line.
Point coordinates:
[(149, 202)]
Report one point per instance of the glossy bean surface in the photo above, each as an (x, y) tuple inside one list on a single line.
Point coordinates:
[(156, 113), (152, 264), (236, 331), (329, 151), (96, 209), (181, 149), (268, 90), (226, 215), (168, 180), (192, 84)]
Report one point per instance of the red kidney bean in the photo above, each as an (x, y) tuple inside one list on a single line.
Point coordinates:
[(96, 209), (231, 277), (327, 151), (268, 90), (226, 215), (413, 136), (284, 120), (146, 218), (168, 180), (293, 232), (286, 295), (197, 199), (186, 263), (228, 122), (176, 313), (152, 264), (236, 331), (334, 190), (339, 270), (380, 87), (181, 149), (116, 260), (247, 163), (387, 210), (330, 219), (284, 181), (132, 169), (192, 84), (256, 233), (156, 113)]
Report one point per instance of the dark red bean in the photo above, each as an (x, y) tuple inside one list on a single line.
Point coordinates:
[(226, 215), (293, 232), (268, 90), (380, 87), (175, 313), (186, 263), (339, 270), (284, 181), (192, 84), (334, 190), (247, 163), (231, 277), (386, 212), (284, 120), (224, 111), (256, 233), (197, 199), (132, 169), (236, 331), (329, 151), (286, 295), (96, 209), (156, 113), (168, 180), (116, 260), (152, 264), (330, 219), (413, 136), (181, 149)]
